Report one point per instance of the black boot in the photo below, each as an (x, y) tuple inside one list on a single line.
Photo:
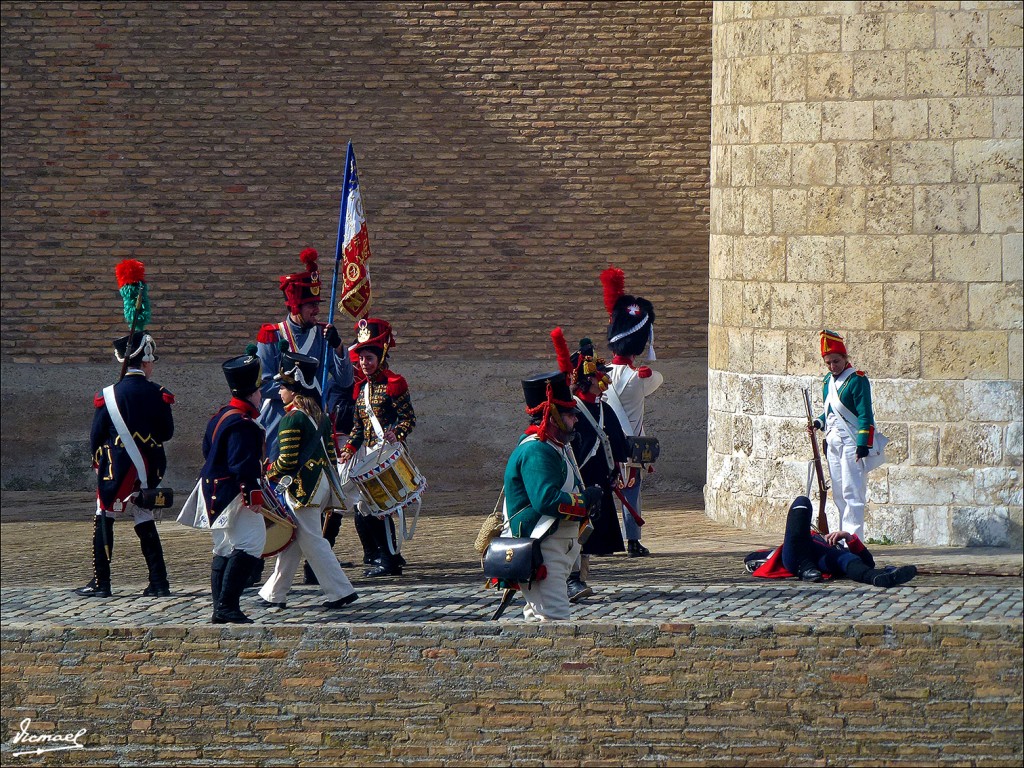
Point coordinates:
[(577, 588), (366, 526), (154, 554), (236, 576), (100, 584), (635, 549), (859, 571), (217, 581), (256, 575), (386, 563), (308, 577)]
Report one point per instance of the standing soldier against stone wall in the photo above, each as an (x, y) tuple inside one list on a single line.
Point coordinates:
[(144, 411), (630, 331)]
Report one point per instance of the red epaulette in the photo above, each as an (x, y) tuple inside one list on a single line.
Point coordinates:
[(397, 385), (860, 373), (167, 396), (98, 401), (267, 334)]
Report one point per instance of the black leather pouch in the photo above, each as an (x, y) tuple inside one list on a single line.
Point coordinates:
[(512, 559), (643, 450), (154, 498)]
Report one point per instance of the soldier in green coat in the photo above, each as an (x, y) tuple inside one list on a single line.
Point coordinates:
[(306, 468), (544, 494), (849, 424)]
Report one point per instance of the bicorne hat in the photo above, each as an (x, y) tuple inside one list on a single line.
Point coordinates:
[(243, 373), (302, 287), (298, 373), (138, 347)]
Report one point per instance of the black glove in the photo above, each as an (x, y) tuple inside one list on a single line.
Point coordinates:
[(592, 498), (862, 451), (818, 424), (332, 337)]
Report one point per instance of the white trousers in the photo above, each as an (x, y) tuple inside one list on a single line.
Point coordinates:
[(139, 514), (849, 483), (245, 531), (548, 600), (309, 542)]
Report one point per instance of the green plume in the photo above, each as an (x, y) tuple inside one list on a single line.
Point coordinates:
[(134, 294)]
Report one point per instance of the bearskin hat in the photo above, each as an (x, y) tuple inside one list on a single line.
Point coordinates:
[(631, 318)]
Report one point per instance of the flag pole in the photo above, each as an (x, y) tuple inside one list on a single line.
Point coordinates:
[(338, 253)]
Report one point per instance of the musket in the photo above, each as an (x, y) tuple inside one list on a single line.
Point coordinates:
[(131, 334), (338, 253), (506, 598), (822, 524), (629, 507)]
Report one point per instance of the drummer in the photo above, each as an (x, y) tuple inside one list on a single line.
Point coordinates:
[(306, 470), (383, 412), (233, 449)]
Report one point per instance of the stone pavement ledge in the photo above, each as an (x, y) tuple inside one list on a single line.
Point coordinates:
[(695, 573)]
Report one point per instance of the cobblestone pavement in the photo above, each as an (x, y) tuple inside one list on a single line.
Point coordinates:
[(694, 574)]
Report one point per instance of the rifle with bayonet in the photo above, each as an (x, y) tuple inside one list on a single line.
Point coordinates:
[(822, 523)]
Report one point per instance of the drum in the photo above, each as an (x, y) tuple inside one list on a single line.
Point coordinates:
[(281, 523), (387, 480)]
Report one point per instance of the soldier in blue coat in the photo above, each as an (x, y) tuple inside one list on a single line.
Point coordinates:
[(143, 411), (232, 490)]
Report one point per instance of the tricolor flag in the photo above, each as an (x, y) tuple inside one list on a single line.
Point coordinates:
[(353, 245)]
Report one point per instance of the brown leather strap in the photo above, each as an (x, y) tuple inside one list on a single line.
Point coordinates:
[(216, 429)]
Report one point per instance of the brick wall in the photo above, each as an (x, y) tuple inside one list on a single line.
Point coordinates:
[(594, 694), (505, 151)]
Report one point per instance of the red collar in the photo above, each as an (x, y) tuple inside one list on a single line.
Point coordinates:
[(245, 407), (587, 397), (621, 360)]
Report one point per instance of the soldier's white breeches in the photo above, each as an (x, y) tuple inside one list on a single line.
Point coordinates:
[(245, 531), (548, 599), (139, 514), (309, 542), (849, 485)]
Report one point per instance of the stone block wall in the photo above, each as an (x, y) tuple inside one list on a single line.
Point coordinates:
[(573, 694), (866, 177), (507, 154)]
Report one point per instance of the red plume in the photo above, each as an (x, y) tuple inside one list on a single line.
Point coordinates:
[(561, 351), (614, 282), (129, 272), (309, 257)]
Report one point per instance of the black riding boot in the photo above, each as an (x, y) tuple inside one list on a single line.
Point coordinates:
[(100, 584), (154, 554), (236, 576), (366, 527), (386, 563), (217, 580), (859, 571)]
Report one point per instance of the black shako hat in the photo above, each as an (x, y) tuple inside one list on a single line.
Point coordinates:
[(243, 373), (535, 390)]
